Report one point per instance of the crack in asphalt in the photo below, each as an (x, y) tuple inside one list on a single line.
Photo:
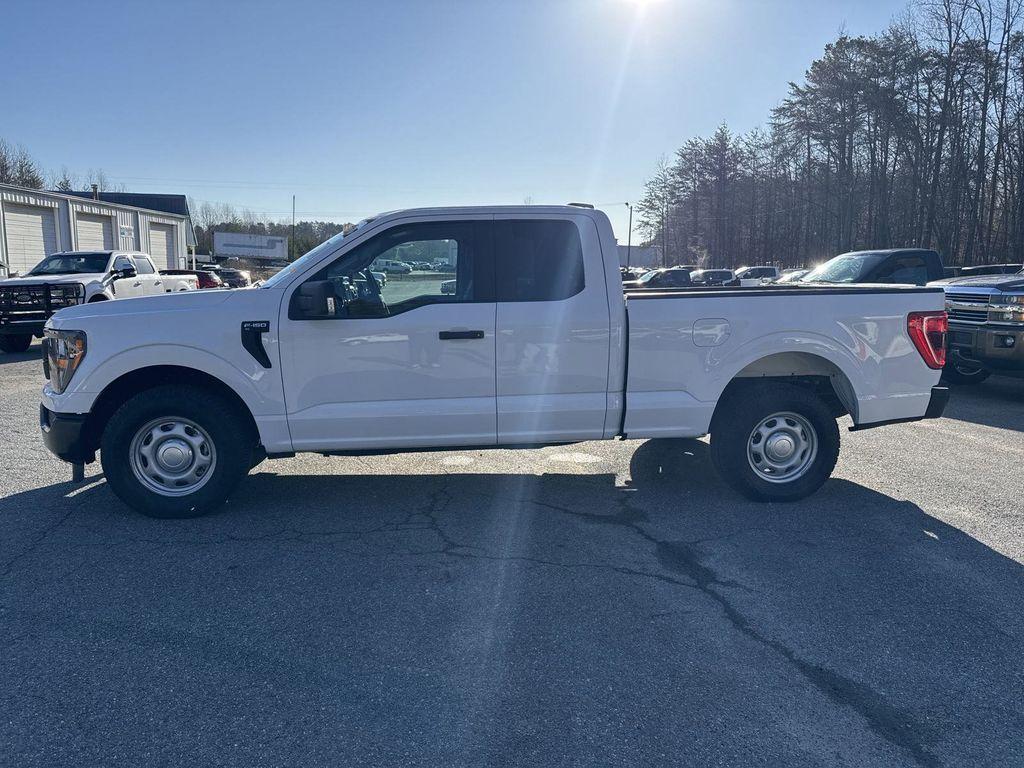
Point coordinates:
[(886, 721), (36, 542)]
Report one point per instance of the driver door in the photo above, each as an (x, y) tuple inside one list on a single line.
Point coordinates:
[(403, 365), (127, 287)]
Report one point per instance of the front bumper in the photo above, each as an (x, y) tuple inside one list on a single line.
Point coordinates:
[(936, 407), (15, 326), (64, 435), (996, 347)]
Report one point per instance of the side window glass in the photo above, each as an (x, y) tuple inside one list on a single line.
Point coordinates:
[(411, 266), (538, 260), (907, 270), (143, 267)]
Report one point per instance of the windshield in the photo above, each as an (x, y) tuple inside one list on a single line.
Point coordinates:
[(647, 277), (72, 264), (310, 256), (846, 268)]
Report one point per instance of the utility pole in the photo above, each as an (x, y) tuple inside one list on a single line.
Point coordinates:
[(291, 245), (629, 237), (664, 239)]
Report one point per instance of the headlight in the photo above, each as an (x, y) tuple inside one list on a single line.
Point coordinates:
[(63, 353), (1006, 308), (68, 294)]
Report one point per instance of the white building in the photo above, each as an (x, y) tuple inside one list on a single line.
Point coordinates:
[(639, 256), (34, 224)]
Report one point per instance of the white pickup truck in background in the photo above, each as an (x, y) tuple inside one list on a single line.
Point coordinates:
[(534, 344), (76, 277)]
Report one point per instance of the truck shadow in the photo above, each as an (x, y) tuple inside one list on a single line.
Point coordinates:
[(562, 587), (35, 352), (996, 402)]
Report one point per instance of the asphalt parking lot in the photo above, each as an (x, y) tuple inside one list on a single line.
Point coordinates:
[(599, 604)]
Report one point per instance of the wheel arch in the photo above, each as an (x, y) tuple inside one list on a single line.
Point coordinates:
[(809, 370), (125, 386)]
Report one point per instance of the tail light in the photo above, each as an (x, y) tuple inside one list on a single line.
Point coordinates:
[(928, 332)]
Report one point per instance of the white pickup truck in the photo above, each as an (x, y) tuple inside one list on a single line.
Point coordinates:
[(535, 345), (76, 277)]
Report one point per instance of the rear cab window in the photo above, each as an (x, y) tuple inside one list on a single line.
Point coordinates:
[(537, 260)]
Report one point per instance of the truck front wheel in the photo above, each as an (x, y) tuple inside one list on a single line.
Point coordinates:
[(13, 344), (175, 451), (774, 441)]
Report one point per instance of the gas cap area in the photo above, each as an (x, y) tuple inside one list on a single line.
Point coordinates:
[(711, 331)]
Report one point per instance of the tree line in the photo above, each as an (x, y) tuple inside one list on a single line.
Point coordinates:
[(912, 137), (18, 167), (209, 217)]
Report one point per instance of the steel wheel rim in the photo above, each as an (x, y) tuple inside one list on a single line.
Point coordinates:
[(172, 456), (782, 447)]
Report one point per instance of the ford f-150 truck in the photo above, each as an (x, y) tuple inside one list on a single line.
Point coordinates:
[(986, 326), (76, 277), (535, 344)]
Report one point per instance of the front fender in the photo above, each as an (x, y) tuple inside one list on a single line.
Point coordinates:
[(258, 387)]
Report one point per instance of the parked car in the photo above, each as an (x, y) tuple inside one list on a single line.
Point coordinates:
[(448, 287), (393, 267), (632, 273), (904, 266), (751, 276), (979, 270), (791, 276), (986, 327), (713, 277), (204, 277), (70, 278), (423, 266), (670, 277), (235, 278), (179, 414)]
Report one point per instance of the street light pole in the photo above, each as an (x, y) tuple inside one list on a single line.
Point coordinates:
[(629, 237), (291, 245)]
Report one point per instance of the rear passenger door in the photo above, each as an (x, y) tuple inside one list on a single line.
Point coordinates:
[(151, 282), (553, 329)]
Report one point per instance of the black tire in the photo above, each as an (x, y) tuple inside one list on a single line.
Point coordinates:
[(748, 406), (962, 374), (227, 429), (14, 344)]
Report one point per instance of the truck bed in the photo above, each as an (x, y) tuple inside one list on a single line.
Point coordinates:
[(685, 345)]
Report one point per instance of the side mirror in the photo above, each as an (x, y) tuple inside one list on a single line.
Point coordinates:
[(314, 300), (123, 269)]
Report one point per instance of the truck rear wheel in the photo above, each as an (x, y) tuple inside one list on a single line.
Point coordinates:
[(175, 451), (774, 441), (18, 343)]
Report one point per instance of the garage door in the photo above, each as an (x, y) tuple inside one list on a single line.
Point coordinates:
[(162, 246), (95, 232), (31, 235)]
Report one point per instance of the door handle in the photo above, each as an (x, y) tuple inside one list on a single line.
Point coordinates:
[(136, 285), (450, 335)]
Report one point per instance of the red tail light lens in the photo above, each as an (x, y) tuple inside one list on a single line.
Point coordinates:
[(928, 332)]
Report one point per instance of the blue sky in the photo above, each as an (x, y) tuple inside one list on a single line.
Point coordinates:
[(362, 107)]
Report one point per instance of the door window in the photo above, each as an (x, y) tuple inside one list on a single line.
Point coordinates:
[(143, 266), (909, 270), (538, 260), (376, 279)]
